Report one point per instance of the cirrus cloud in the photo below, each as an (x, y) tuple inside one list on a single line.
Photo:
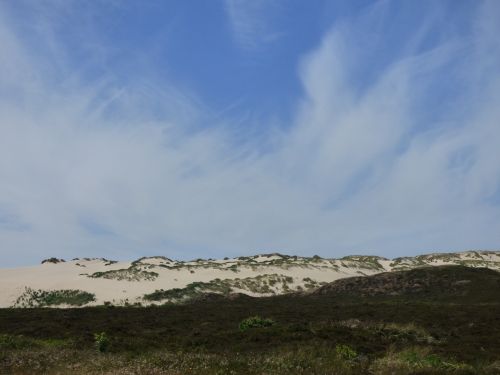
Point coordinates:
[(125, 169)]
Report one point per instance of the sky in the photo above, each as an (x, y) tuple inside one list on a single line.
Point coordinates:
[(224, 128)]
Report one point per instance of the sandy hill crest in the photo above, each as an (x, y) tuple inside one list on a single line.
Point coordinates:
[(158, 279)]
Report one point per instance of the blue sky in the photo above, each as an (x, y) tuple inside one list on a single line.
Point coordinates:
[(221, 128)]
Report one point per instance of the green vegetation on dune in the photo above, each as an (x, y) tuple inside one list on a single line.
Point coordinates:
[(363, 261), (269, 284), (53, 260), (468, 259), (190, 291), (144, 268), (48, 298), (132, 273)]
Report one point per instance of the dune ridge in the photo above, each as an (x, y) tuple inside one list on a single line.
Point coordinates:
[(158, 279)]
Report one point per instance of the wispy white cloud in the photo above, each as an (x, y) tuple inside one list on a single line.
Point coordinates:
[(251, 22), (120, 171)]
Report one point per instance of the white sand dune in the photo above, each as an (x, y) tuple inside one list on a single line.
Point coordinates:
[(121, 283)]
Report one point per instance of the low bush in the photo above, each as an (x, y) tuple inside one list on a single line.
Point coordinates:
[(255, 322), (47, 298), (345, 352), (101, 341)]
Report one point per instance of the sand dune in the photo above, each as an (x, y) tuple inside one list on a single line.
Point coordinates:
[(121, 283)]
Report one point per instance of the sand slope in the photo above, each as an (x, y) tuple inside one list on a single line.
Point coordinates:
[(122, 283)]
